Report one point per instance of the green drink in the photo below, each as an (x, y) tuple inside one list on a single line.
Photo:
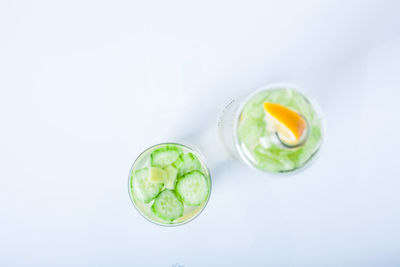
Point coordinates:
[(169, 184), (276, 129)]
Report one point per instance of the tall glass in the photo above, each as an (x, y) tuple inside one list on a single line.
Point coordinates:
[(246, 132)]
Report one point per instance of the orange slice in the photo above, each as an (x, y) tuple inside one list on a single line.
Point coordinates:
[(289, 125)]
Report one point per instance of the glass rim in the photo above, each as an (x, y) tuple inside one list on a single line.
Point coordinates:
[(270, 87), (201, 158)]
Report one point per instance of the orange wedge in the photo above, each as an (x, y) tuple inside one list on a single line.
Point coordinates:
[(289, 125)]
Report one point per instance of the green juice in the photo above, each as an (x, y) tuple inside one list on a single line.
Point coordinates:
[(260, 148), (169, 184)]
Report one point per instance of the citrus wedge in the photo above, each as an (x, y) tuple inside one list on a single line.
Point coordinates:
[(290, 125)]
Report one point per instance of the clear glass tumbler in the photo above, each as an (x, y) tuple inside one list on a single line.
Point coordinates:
[(158, 200), (248, 133)]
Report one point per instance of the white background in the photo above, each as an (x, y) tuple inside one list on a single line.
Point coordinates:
[(85, 86)]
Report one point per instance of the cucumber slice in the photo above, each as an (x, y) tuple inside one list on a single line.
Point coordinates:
[(164, 156), (193, 188), (186, 163), (143, 189), (157, 175), (172, 173), (167, 206)]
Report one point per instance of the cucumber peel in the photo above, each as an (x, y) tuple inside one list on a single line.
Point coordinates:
[(167, 206), (193, 188), (143, 188), (164, 156), (187, 163)]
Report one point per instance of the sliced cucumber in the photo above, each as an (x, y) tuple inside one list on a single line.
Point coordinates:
[(164, 156), (143, 189), (186, 163), (172, 173), (157, 175), (167, 206), (193, 188)]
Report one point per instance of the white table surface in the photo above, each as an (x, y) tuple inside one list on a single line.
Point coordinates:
[(85, 86)]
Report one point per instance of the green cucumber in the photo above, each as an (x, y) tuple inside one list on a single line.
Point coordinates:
[(167, 206), (143, 189), (186, 163), (164, 156), (193, 188)]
